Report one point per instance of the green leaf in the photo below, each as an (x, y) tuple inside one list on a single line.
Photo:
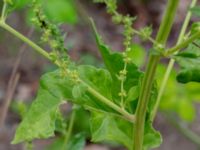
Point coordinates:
[(60, 124), (114, 63), (66, 11), (18, 4), (152, 138), (76, 142), (99, 79), (189, 61), (78, 90), (137, 54), (111, 129), (40, 119), (107, 128), (133, 94)]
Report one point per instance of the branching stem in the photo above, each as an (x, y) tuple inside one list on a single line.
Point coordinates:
[(148, 79), (183, 44), (101, 98), (109, 103), (172, 61), (153, 41)]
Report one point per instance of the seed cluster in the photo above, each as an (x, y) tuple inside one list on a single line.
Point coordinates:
[(127, 22), (52, 36)]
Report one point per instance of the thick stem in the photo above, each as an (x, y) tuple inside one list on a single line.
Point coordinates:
[(148, 79), (143, 102), (172, 61)]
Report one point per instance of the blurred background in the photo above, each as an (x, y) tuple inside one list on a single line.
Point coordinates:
[(178, 119)]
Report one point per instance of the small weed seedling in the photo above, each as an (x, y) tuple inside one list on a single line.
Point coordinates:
[(122, 100)]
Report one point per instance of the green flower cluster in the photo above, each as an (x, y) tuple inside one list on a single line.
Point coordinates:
[(127, 22), (52, 35)]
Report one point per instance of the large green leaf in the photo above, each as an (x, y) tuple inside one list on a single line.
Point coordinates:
[(189, 61), (39, 122), (40, 119), (152, 138), (114, 63), (106, 127), (60, 10)]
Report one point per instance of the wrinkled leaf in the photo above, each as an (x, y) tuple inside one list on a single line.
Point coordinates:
[(108, 128), (152, 138), (40, 119), (114, 63)]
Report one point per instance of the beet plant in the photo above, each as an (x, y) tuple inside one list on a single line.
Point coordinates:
[(122, 99)]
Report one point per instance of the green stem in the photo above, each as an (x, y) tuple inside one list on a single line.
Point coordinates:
[(3, 13), (45, 54), (148, 79), (70, 129), (109, 103), (108, 113), (182, 44), (172, 61)]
